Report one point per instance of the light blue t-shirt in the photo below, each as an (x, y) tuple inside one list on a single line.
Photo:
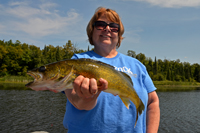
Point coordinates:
[(110, 114)]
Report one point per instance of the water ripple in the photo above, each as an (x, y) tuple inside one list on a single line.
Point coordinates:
[(179, 112), (26, 111)]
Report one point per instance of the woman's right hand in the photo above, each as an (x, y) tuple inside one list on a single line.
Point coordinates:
[(85, 92), (85, 87)]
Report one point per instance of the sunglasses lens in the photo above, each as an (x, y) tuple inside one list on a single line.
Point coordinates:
[(114, 27), (101, 25)]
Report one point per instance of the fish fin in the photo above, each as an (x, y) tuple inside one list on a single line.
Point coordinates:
[(136, 119), (127, 77), (139, 111), (55, 77), (141, 107), (65, 82), (66, 78), (125, 101)]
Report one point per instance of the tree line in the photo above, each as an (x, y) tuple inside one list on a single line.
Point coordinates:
[(16, 58), (160, 70)]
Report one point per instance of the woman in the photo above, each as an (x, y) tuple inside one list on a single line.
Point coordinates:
[(88, 108)]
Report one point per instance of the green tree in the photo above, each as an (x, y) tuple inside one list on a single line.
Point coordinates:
[(196, 73), (187, 70), (131, 53), (36, 57), (51, 55), (17, 58), (3, 66), (68, 50), (14, 58), (25, 58), (142, 58), (182, 72), (160, 66), (168, 74), (149, 66), (58, 53), (155, 67)]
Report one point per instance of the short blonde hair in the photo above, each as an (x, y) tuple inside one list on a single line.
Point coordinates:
[(110, 15)]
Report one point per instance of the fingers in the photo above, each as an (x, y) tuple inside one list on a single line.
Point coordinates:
[(93, 86), (85, 87), (104, 84), (77, 85)]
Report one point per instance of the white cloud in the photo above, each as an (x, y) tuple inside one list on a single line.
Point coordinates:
[(172, 3), (23, 12), (17, 3), (47, 25), (40, 20), (47, 6)]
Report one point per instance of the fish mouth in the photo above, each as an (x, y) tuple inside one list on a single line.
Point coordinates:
[(29, 84), (32, 75)]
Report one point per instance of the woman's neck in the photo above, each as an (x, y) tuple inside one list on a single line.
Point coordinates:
[(106, 53)]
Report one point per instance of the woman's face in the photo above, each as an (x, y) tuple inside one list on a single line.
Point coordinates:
[(105, 38)]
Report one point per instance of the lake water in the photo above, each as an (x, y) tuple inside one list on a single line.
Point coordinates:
[(180, 112), (25, 111)]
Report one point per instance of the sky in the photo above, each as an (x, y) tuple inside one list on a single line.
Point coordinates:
[(165, 29)]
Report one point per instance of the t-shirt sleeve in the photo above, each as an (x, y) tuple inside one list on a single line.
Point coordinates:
[(146, 79), (149, 83)]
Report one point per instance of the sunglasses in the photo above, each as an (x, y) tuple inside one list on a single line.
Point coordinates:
[(101, 25)]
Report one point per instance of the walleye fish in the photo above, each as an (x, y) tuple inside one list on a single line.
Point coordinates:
[(59, 76)]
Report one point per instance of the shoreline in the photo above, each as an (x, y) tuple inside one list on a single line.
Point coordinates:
[(18, 82), (156, 83), (26, 79), (161, 86)]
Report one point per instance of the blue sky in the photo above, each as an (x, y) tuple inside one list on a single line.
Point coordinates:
[(167, 29)]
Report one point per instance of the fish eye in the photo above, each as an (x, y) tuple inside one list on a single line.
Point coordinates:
[(42, 69)]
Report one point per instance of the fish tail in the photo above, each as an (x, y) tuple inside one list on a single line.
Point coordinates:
[(136, 119), (125, 101)]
